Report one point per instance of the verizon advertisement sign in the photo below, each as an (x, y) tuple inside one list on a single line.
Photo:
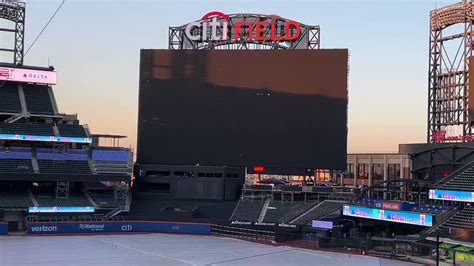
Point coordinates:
[(28, 75)]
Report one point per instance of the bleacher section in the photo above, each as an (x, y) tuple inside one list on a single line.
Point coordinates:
[(463, 219), (15, 160), (72, 131), (461, 181), (38, 99), (278, 212), (27, 129), (247, 210), (9, 99), (70, 161), (112, 161), (319, 211), (15, 200), (61, 167), (73, 161), (72, 201)]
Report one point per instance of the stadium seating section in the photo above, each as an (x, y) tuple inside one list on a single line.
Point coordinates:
[(61, 167), (297, 212), (38, 99), (72, 161), (15, 200), (110, 161), (462, 181), (9, 99), (27, 129), (319, 211), (247, 210), (15, 160), (73, 201), (72, 131), (284, 212), (69, 155), (463, 219)]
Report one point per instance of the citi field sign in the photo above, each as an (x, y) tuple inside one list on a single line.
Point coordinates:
[(220, 26)]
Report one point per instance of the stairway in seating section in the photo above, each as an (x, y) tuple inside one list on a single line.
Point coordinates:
[(264, 210)]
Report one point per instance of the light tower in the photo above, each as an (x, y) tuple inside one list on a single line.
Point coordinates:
[(14, 11), (450, 113)]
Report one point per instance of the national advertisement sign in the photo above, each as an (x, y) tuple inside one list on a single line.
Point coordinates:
[(388, 215), (117, 227), (28, 75), (451, 195)]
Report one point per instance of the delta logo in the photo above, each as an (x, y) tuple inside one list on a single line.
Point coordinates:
[(35, 76), (262, 30)]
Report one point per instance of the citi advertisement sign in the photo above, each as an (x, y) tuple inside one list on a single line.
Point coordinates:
[(216, 26)]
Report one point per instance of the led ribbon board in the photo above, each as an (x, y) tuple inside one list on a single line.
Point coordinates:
[(45, 138), (389, 216), (451, 195), (28, 75), (59, 209)]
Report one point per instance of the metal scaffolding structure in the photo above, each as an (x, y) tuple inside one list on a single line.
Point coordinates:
[(451, 46), (14, 11), (309, 37)]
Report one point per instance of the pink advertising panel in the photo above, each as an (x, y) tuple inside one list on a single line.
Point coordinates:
[(28, 75)]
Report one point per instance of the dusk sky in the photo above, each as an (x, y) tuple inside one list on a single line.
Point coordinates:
[(95, 47)]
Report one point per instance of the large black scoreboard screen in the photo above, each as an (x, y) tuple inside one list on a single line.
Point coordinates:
[(272, 108)]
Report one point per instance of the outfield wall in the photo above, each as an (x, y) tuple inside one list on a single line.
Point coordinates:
[(117, 227)]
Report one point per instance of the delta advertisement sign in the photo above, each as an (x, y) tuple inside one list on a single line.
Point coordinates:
[(215, 26), (451, 195), (388, 215), (117, 227), (28, 75)]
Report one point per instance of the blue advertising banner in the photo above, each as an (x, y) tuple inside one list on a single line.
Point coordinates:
[(3, 228), (45, 138), (111, 227), (451, 195), (363, 212), (388, 215), (407, 217)]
